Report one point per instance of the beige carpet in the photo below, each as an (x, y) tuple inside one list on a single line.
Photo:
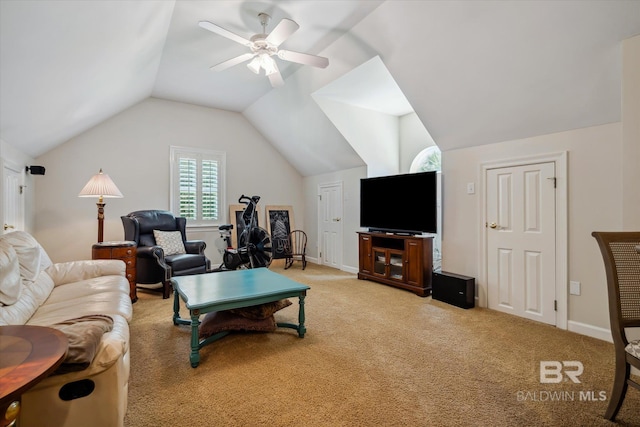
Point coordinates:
[(373, 355)]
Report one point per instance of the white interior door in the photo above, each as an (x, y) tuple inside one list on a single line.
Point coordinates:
[(12, 198), (330, 224), (521, 237)]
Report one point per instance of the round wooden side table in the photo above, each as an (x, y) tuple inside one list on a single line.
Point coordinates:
[(29, 354)]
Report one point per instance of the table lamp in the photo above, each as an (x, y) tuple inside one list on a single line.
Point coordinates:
[(100, 186)]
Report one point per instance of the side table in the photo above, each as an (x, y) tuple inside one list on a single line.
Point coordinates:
[(126, 251), (29, 354)]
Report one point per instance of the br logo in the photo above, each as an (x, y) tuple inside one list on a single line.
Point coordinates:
[(553, 371)]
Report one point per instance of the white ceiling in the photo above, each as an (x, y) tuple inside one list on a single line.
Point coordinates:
[(354, 88), (475, 72)]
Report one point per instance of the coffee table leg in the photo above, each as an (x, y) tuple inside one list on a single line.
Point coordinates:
[(301, 328), (176, 306), (195, 340)]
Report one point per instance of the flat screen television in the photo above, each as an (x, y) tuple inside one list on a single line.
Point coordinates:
[(404, 203)]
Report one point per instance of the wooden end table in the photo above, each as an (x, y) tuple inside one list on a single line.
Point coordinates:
[(29, 354), (126, 251)]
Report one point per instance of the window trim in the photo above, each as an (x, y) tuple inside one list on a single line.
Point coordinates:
[(422, 156), (174, 174)]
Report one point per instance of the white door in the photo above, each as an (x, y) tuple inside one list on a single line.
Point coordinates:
[(12, 199), (330, 224), (521, 237)]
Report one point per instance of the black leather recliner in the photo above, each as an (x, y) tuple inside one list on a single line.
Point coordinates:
[(152, 266)]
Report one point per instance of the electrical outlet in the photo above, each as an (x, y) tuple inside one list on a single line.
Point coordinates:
[(574, 288)]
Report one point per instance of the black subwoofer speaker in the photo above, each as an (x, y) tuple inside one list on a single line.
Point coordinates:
[(454, 289)]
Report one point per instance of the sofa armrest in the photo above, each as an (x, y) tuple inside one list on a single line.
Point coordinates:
[(75, 271)]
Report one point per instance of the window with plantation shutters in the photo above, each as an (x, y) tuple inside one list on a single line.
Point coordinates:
[(197, 185)]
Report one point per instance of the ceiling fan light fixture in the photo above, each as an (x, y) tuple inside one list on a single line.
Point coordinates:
[(268, 64), (254, 65)]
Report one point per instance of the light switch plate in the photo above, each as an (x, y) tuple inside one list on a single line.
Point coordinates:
[(574, 288), (471, 188)]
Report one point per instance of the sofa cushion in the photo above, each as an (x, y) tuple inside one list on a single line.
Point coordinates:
[(181, 262), (170, 242), (41, 287), (76, 271), (108, 295), (28, 250), (21, 311), (10, 281)]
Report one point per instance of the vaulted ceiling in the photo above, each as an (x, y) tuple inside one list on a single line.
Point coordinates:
[(475, 72)]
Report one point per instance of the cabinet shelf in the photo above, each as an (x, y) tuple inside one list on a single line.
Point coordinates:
[(401, 261)]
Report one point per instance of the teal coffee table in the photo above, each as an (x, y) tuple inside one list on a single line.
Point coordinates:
[(204, 293)]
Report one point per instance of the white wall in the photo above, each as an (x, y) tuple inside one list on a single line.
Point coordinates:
[(631, 131), (414, 138), (594, 203), (373, 135), (351, 213), (133, 148)]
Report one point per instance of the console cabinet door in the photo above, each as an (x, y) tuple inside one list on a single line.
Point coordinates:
[(396, 265), (413, 261), (366, 260), (380, 262), (388, 263)]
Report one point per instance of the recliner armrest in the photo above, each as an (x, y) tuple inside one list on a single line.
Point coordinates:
[(153, 252), (150, 252), (195, 246)]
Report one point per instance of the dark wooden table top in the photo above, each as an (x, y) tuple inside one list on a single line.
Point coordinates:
[(28, 354)]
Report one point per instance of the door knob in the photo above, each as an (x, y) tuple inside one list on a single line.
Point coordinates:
[(6, 226), (336, 219), (493, 225)]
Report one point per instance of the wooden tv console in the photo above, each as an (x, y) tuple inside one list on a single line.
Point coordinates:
[(398, 260)]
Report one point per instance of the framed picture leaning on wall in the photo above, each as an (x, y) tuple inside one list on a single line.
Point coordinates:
[(279, 225)]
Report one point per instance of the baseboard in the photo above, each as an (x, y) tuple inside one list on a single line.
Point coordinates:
[(348, 269), (345, 268), (590, 330)]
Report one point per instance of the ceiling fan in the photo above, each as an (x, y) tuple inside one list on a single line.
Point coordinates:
[(263, 47)]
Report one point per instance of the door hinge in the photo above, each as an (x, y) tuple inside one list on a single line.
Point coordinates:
[(555, 305), (555, 181), (320, 196)]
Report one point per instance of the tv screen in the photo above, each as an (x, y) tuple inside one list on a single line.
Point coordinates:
[(400, 203)]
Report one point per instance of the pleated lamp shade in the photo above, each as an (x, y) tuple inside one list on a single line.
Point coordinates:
[(100, 185)]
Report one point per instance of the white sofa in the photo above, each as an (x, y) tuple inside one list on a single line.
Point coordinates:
[(48, 293)]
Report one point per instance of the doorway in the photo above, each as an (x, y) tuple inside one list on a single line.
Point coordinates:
[(330, 209), (13, 197), (524, 238)]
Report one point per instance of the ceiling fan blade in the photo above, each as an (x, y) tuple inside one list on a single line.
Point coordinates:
[(276, 79), (233, 61), (225, 33), (303, 58), (282, 31)]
